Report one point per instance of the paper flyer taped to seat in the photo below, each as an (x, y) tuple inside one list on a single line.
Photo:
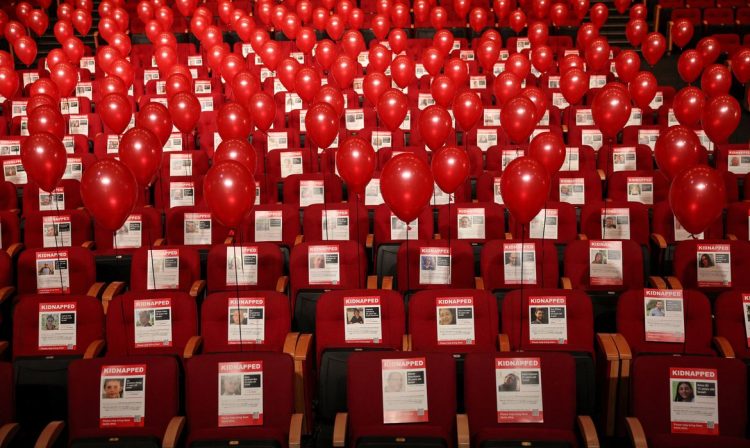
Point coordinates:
[(247, 320), (636, 117), (240, 393), (363, 320), (180, 165), (664, 315), (380, 140), (73, 169), (648, 137), (52, 201), (52, 276), (584, 117), (404, 390), (746, 316), (486, 138), (518, 382), (592, 137), (153, 322), (623, 159), (174, 144), (572, 190), (439, 197), (738, 161), (291, 163), (694, 400), (509, 155), (373, 196), (544, 225), (680, 234), (335, 225), (605, 263), (129, 235), (615, 223), (57, 326), (572, 159), (197, 228), (455, 320), (123, 398), (434, 266), (78, 124), (10, 147), (641, 189), (323, 265), (268, 225), (548, 320), (491, 117), (181, 194), (163, 269), (355, 119), (311, 192), (519, 263), (714, 265), (70, 146), (497, 190), (400, 230), (471, 223), (57, 231), (242, 265)]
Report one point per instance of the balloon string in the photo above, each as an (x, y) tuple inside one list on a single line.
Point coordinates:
[(523, 297), (122, 305), (606, 176), (237, 292), (151, 243), (359, 243), (56, 232)]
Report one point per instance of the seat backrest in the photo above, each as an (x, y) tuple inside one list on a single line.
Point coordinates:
[(581, 255), (557, 215), (247, 267), (625, 158), (388, 228), (57, 229), (257, 311), (504, 264), (302, 190), (327, 265), (164, 268), (698, 264), (616, 220), (647, 187), (730, 311), (472, 222), (8, 198), (179, 192), (67, 196), (142, 228), (10, 227), (576, 188), (336, 222), (42, 325), (663, 223), (435, 265), (738, 215), (187, 226), (43, 271), (160, 377), (276, 223)]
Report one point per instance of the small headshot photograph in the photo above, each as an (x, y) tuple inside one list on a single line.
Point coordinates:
[(683, 391), (10, 170), (610, 222), (565, 191), (734, 161), (191, 227), (600, 257), (511, 383), (50, 322), (446, 316), (355, 316), (706, 261), (427, 263), (145, 318), (112, 388), (619, 159), (318, 262), (231, 385), (238, 317), (655, 308), (634, 190), (50, 230), (464, 222), (394, 382), (45, 199), (45, 269), (512, 259), (539, 316), (177, 195)]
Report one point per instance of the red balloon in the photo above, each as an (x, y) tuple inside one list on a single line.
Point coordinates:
[(488, 54), (517, 119), (258, 38), (380, 26), (525, 187), (643, 89), (344, 70), (433, 59), (335, 27), (9, 83), (627, 65), (538, 97), (332, 96), (397, 39), (478, 19), (123, 70), (115, 111), (709, 49), (559, 14), (517, 20), (325, 53), (677, 149), (44, 86), (450, 168), (687, 105), (63, 29), (46, 119), (44, 158), (112, 84), (155, 117), (245, 85), (402, 71), (741, 65), (697, 198), (538, 34), (14, 31), (570, 62), (291, 25), (457, 71), (185, 111), (231, 65), (682, 32), (542, 58), (38, 22), (461, 7), (716, 80), (392, 108), (306, 39), (507, 86), (720, 117), (109, 192), (74, 49), (549, 149), (238, 150), (435, 126), (599, 14), (443, 41), (580, 8), (229, 191), (636, 31), (690, 65), (106, 56), (287, 72), (121, 42), (81, 21), (653, 48), (353, 43), (638, 12), (65, 76), (597, 54), (140, 150), (25, 48), (442, 90), (374, 85), (271, 54), (406, 184), (438, 17), (468, 109), (622, 5), (263, 110), (233, 121), (356, 162), (322, 124), (177, 83), (611, 110), (586, 33), (519, 65), (307, 83), (574, 84)]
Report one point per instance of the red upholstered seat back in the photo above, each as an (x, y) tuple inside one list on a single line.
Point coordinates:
[(493, 265), (408, 265), (189, 266), (576, 266)]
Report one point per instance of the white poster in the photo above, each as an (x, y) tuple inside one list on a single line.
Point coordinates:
[(497, 190), (664, 315), (518, 382), (738, 161), (355, 119), (56, 231), (174, 144), (455, 320), (381, 139), (491, 117), (324, 266), (471, 222), (129, 235), (123, 399), (52, 201), (73, 169), (335, 225), (434, 266), (680, 234), (572, 190), (10, 147), (52, 276), (584, 117), (605, 262), (268, 225), (509, 155), (14, 172), (180, 165), (311, 192), (592, 137), (544, 225), (197, 228), (615, 223), (648, 137), (572, 159), (641, 189), (694, 401), (240, 393), (623, 159), (78, 124), (363, 320), (519, 263), (746, 315), (373, 196), (163, 269), (439, 197), (404, 390), (714, 265), (548, 321), (291, 163), (247, 320), (400, 230), (486, 138), (181, 194), (242, 265), (57, 326), (153, 322)]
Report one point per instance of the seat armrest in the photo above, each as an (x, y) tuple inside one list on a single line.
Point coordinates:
[(674, 283), (565, 283), (304, 346), (198, 287), (7, 432), (659, 240), (229, 240), (94, 349), (387, 283), (731, 237), (90, 245), (159, 242), (282, 283), (303, 356), (564, 128), (478, 282), (462, 431), (369, 242), (339, 429), (508, 236), (372, 282), (114, 289), (607, 346), (192, 347), (6, 292), (50, 434), (588, 431), (723, 347), (582, 237), (657, 282), (503, 342), (623, 348), (295, 430), (602, 174), (636, 433), (406, 343), (608, 363), (173, 432), (97, 290), (436, 236), (14, 249), (290, 343), (299, 239)]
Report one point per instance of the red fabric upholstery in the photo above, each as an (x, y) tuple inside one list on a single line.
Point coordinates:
[(81, 268), (8, 198), (80, 224), (151, 230), (313, 221), (290, 225), (567, 229), (493, 261), (331, 183), (685, 263), (6, 269), (71, 189), (190, 269), (576, 266), (737, 220), (643, 158), (662, 223), (270, 265), (462, 265), (591, 220), (494, 220), (352, 267), (175, 232), (382, 225), (592, 185), (730, 321), (11, 229), (617, 184)]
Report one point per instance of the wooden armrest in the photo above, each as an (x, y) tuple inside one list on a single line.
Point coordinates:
[(602, 174), (723, 347), (607, 346), (228, 241), (588, 431), (606, 352), (674, 283), (478, 282), (3, 346), (114, 289), (88, 245), (731, 237), (623, 348), (705, 23), (302, 353), (159, 242), (582, 237), (659, 240), (462, 430), (503, 342), (14, 249), (198, 287), (508, 236), (7, 432), (173, 432), (635, 432), (303, 348), (406, 343), (565, 283), (192, 346), (299, 239), (369, 242), (436, 236), (295, 430), (290, 343), (372, 282), (282, 283), (565, 128), (97, 290), (339, 429), (94, 349), (657, 282), (49, 435), (387, 283), (6, 292)]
